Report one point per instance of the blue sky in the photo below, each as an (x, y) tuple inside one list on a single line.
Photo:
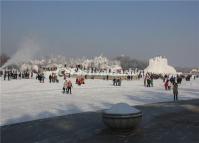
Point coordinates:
[(138, 29)]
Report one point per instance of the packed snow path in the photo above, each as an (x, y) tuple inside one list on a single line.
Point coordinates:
[(27, 99)]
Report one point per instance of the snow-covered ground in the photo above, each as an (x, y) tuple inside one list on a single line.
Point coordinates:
[(27, 99)]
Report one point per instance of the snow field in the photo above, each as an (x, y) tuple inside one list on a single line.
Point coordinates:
[(27, 99)]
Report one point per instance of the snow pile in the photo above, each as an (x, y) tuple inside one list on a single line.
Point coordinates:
[(121, 108), (159, 65)]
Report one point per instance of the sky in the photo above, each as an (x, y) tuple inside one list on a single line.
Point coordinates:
[(140, 30)]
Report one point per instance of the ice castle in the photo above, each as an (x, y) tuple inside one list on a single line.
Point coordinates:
[(159, 65)]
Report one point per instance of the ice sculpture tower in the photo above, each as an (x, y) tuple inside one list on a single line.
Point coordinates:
[(159, 65)]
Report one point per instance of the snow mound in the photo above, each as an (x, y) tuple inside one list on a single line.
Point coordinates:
[(159, 65), (122, 108)]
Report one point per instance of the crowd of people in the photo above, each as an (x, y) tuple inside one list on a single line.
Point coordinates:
[(80, 81), (67, 87), (14, 74), (117, 81), (53, 78), (170, 82), (40, 77), (148, 80)]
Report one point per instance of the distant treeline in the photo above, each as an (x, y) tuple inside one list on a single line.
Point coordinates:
[(126, 63), (184, 69)]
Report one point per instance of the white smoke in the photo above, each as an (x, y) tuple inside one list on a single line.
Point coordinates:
[(27, 51)]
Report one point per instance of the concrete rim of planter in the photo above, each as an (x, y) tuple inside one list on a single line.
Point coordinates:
[(107, 115), (122, 116)]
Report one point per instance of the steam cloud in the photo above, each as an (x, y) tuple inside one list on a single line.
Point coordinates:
[(28, 50)]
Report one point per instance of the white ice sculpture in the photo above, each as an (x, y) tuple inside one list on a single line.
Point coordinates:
[(159, 65)]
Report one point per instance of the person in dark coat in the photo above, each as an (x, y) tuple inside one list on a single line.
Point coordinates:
[(50, 78), (114, 81), (119, 82), (19, 75), (175, 91), (5, 75), (8, 75)]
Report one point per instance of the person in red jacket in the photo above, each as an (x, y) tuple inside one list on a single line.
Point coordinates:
[(166, 84), (69, 86)]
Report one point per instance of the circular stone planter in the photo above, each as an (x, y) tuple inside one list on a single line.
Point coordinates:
[(122, 116)]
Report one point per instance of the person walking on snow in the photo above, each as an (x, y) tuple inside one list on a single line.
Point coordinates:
[(5, 75), (166, 84), (175, 91), (69, 86), (50, 78), (65, 87)]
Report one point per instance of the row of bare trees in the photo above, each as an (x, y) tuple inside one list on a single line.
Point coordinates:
[(126, 63)]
